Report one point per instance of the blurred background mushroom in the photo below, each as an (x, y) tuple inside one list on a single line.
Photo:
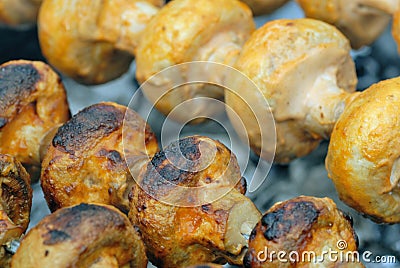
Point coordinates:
[(362, 21), (19, 12), (93, 41)]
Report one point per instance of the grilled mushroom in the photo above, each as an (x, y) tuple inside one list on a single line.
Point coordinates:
[(260, 7), (19, 12), (364, 153), (86, 235), (297, 232), (304, 69), (185, 31), (93, 41), (190, 207), (85, 161), (32, 102), (362, 21), (15, 204)]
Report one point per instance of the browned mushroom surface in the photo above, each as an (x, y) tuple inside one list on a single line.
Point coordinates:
[(86, 159), (302, 228), (190, 208), (32, 102), (364, 152), (93, 41), (86, 235), (15, 204)]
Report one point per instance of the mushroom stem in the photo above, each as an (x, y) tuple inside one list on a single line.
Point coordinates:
[(133, 22), (387, 6), (324, 111), (222, 49), (119, 24)]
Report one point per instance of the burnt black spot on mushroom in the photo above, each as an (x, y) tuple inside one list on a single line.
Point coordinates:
[(55, 236), (72, 220), (17, 82), (292, 218), (175, 165), (87, 127)]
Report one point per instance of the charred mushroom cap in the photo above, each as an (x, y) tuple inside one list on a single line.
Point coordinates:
[(86, 235), (86, 161), (363, 156), (362, 21), (305, 225), (186, 31), (15, 204), (93, 41), (260, 7), (19, 12), (304, 69), (32, 102), (178, 234)]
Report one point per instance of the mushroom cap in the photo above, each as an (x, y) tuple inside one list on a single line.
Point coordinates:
[(92, 41), (295, 64), (185, 31), (302, 225), (15, 203), (260, 7), (86, 159), (360, 21), (86, 235), (32, 102), (210, 212), (19, 12), (363, 159)]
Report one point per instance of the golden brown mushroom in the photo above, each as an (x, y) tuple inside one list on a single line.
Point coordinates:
[(303, 229), (185, 31), (85, 162), (86, 235), (190, 206), (364, 153), (15, 204), (362, 21), (19, 12), (93, 41), (304, 69), (260, 7), (32, 102)]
